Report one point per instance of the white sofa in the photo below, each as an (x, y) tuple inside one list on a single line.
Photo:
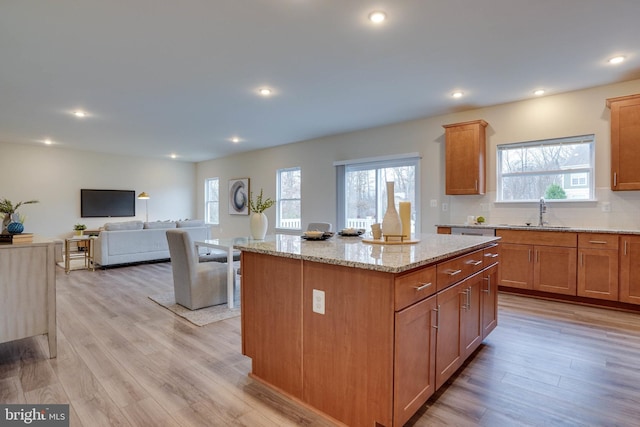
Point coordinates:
[(136, 241)]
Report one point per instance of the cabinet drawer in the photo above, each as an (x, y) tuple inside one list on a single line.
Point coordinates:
[(491, 255), (598, 240), (414, 286), (454, 270), (546, 238)]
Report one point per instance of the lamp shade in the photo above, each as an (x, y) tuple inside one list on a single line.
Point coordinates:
[(143, 196)]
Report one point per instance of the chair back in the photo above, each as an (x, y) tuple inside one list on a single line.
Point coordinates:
[(319, 226), (183, 255)]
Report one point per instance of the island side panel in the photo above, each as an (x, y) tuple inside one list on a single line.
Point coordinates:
[(348, 351), (272, 319)]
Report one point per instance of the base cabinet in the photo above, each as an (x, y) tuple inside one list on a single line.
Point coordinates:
[(415, 359), (449, 321), (489, 300), (630, 269)]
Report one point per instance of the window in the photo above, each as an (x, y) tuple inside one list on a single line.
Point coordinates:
[(288, 200), (362, 192), (212, 201), (559, 168)]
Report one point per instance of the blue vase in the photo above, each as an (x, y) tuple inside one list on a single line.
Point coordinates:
[(15, 228)]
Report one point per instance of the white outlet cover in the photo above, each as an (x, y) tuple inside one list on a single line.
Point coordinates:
[(318, 301)]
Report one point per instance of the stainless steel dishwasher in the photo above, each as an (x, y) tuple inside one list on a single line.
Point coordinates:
[(473, 231)]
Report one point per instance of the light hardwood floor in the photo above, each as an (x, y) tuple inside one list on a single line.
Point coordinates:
[(124, 360)]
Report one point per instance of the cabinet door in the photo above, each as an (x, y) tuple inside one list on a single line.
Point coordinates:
[(630, 269), (471, 323), (489, 300), (415, 361), (448, 349), (516, 267), (625, 134), (598, 273), (555, 269), (465, 154)]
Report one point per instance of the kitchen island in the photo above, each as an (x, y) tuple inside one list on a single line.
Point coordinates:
[(365, 333)]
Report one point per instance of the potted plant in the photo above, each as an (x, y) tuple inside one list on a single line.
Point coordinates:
[(79, 228), (259, 221), (9, 211)]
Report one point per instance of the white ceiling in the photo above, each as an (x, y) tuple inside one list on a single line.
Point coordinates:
[(167, 76)]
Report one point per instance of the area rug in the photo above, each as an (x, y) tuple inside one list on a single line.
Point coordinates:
[(201, 317)]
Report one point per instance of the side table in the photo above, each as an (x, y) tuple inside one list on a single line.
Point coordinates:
[(76, 242)]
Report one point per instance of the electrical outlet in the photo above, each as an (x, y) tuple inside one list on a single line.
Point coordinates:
[(318, 301), (445, 207), (434, 203), (606, 206)]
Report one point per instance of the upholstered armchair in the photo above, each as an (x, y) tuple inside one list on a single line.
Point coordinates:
[(196, 284)]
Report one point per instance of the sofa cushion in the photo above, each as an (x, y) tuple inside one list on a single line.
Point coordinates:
[(126, 225), (190, 223), (159, 224)]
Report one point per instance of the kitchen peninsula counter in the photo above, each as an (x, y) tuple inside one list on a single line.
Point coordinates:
[(364, 333)]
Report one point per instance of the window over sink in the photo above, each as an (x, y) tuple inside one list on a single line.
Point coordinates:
[(556, 169)]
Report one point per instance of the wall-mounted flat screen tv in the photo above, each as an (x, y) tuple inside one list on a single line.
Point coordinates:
[(106, 203)]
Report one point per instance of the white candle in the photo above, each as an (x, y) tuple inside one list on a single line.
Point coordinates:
[(405, 218)]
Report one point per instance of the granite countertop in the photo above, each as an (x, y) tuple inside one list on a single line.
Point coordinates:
[(557, 228), (353, 252)]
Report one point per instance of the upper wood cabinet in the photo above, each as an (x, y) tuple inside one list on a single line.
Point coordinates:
[(465, 158), (625, 142)]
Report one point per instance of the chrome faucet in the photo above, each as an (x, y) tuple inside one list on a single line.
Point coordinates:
[(543, 210)]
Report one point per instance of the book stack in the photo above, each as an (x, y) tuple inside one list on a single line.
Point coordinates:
[(16, 238)]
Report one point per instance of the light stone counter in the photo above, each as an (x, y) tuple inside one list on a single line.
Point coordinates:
[(352, 252), (557, 228)]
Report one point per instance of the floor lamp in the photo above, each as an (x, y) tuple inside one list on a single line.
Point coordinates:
[(144, 196)]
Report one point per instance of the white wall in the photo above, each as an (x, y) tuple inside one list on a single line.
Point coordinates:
[(574, 113), (54, 176)]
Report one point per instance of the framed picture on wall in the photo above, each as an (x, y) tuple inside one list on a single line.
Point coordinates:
[(239, 196)]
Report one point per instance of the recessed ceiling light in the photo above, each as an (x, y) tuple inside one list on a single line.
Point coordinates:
[(457, 94), (48, 141), (265, 91), (538, 92), (173, 155), (80, 113), (377, 17), (616, 59), (235, 139)]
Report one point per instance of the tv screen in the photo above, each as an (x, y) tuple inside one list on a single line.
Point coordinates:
[(106, 203)]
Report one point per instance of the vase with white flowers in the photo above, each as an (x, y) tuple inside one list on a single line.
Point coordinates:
[(259, 221)]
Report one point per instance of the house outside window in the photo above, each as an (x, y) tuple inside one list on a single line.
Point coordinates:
[(212, 201), (288, 212), (362, 193), (560, 169)]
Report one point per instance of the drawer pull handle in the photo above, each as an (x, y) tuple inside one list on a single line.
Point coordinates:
[(437, 310), (598, 242), (453, 272), (490, 255), (423, 286), (472, 262)]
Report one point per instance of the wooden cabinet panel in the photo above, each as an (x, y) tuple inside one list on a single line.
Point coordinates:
[(630, 269), (414, 286), (465, 158), (471, 322), (598, 273), (444, 230), (555, 270), (516, 266), (625, 134), (415, 361), (448, 348), (275, 346), (491, 255), (546, 238), (598, 240), (489, 300)]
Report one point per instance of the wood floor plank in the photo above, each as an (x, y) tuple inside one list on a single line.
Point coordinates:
[(123, 360)]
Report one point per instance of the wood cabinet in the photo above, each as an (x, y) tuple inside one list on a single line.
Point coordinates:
[(448, 349), (471, 322), (538, 260), (629, 269), (489, 300), (598, 266), (625, 150), (415, 359), (465, 158)]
